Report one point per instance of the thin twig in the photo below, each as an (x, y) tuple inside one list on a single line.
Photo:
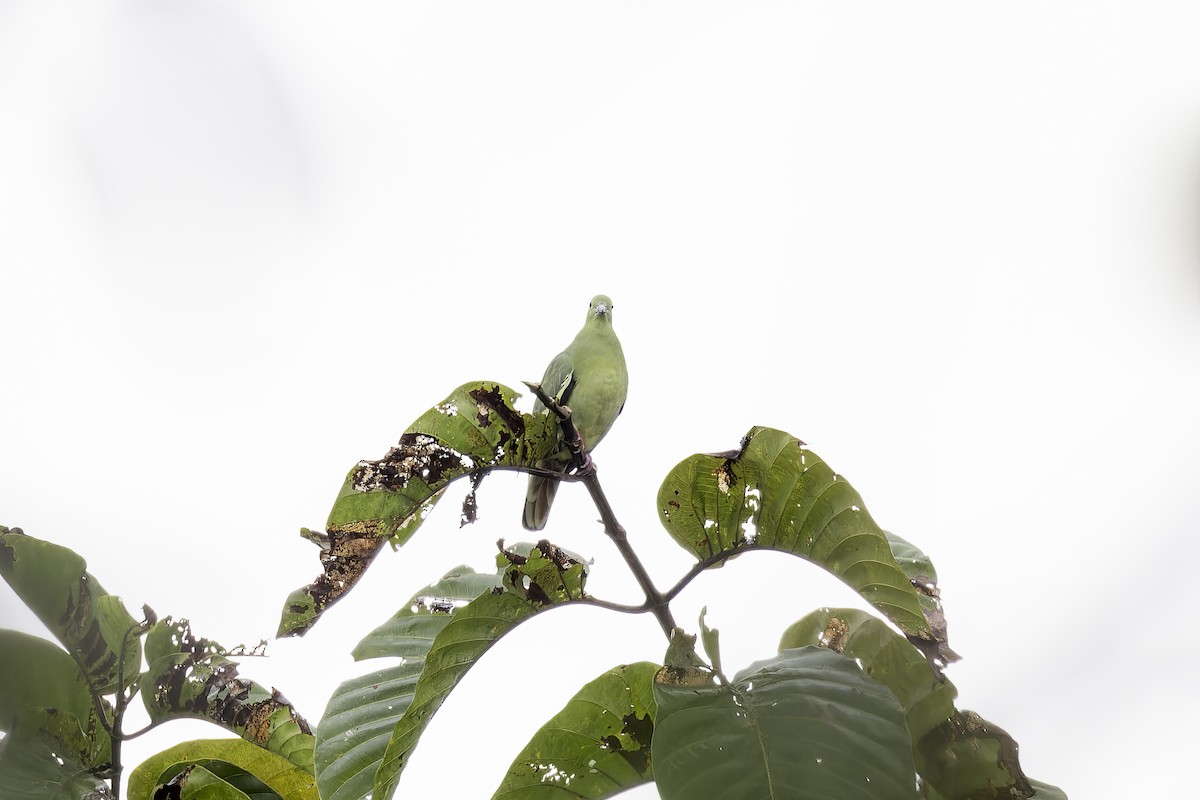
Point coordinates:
[(701, 566)]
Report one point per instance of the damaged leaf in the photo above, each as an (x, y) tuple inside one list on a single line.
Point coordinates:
[(473, 430), (548, 575), (923, 578), (235, 762), (806, 723), (776, 494), (93, 625), (192, 677), (596, 747)]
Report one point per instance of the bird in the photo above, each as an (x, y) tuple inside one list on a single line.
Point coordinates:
[(589, 377)]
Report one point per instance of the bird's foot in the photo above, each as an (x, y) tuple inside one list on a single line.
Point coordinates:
[(581, 462)]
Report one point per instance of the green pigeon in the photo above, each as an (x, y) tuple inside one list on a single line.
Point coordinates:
[(590, 377)]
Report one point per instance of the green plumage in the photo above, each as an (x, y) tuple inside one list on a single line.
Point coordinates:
[(590, 377)]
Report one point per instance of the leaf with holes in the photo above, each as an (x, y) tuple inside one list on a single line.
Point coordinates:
[(777, 494), (596, 747), (473, 430), (804, 725), (192, 677), (92, 624)]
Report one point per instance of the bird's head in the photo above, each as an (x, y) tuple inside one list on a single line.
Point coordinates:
[(601, 308)]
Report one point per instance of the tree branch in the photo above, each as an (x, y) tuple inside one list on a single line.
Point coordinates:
[(655, 603), (585, 471)]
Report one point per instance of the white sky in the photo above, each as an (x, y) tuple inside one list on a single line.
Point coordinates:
[(952, 246)]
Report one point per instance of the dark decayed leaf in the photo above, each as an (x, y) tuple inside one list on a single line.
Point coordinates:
[(804, 725), (92, 624), (473, 430), (192, 677), (958, 754), (544, 578), (775, 493), (243, 767), (596, 747)]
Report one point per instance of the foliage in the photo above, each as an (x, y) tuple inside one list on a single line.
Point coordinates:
[(847, 707)]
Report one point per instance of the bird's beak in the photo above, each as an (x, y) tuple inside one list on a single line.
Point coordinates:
[(601, 308)]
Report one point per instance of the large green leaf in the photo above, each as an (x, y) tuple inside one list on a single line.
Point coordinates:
[(886, 656), (41, 759), (192, 677), (42, 684), (777, 494), (358, 722), (237, 764), (545, 578), (804, 725), (596, 747), (474, 430), (35, 672), (959, 755), (92, 624)]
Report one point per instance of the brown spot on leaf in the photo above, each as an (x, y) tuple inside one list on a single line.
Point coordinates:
[(417, 454), (489, 401), (834, 635), (345, 559)]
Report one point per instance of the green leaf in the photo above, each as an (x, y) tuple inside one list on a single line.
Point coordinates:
[(886, 656), (40, 759), (710, 639), (237, 763), (528, 587), (39, 680), (775, 493), (806, 724), (37, 673), (969, 757), (473, 430), (197, 783), (1044, 791), (192, 677), (923, 578), (358, 722), (958, 754), (53, 581), (596, 747)]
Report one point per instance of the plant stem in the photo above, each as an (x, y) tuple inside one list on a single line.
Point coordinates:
[(656, 603)]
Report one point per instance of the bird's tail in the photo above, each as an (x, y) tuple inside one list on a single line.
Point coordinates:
[(538, 500)]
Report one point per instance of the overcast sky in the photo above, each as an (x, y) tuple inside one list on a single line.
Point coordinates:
[(952, 246)]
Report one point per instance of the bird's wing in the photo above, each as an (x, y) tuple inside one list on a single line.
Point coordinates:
[(559, 379)]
